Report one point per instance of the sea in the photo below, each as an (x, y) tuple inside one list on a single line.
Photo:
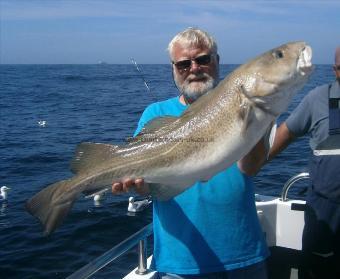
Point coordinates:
[(45, 111)]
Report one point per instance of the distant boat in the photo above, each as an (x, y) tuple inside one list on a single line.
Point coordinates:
[(102, 62)]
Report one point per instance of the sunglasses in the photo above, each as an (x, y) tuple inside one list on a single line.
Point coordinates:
[(202, 60), (337, 67)]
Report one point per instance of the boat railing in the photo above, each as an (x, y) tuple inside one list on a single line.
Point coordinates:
[(139, 238), (290, 182)]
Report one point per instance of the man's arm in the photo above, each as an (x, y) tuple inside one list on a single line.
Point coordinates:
[(283, 138), (256, 158)]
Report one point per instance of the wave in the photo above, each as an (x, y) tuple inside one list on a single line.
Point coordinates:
[(75, 78), (107, 77)]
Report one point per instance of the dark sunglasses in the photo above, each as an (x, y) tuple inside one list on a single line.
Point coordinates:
[(200, 60), (337, 67)]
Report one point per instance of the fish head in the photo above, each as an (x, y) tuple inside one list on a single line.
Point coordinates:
[(273, 78)]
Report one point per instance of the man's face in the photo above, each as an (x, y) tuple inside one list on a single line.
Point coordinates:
[(196, 76)]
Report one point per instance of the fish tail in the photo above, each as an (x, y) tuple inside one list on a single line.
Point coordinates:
[(51, 205)]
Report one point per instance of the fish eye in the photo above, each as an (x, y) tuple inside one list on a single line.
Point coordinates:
[(278, 54)]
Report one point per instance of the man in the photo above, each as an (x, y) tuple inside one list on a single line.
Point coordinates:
[(211, 230), (319, 115)]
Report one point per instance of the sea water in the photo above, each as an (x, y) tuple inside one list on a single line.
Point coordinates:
[(45, 111)]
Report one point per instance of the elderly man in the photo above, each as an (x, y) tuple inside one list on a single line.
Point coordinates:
[(319, 115), (211, 230)]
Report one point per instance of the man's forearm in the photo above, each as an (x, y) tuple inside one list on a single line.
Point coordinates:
[(283, 138), (253, 161)]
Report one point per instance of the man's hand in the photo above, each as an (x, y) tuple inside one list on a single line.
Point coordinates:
[(128, 184)]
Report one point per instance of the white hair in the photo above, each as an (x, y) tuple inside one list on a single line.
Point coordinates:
[(193, 37)]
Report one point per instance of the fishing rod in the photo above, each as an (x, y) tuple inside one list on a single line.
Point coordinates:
[(133, 61)]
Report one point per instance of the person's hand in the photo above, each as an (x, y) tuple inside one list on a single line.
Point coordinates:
[(128, 184)]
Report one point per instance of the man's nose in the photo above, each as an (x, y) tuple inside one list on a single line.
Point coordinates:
[(194, 67)]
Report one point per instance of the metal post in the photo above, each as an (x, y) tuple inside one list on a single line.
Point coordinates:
[(290, 182), (109, 256), (142, 268)]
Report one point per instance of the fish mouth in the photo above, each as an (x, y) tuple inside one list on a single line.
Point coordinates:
[(304, 64)]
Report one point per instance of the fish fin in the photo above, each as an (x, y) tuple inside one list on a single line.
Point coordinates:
[(157, 124), (269, 137), (51, 205), (154, 126), (247, 118), (258, 102), (89, 155), (247, 108), (244, 110)]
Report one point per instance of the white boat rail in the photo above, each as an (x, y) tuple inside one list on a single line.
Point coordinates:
[(290, 182), (139, 238)]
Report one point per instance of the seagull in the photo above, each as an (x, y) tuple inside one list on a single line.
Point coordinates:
[(97, 196), (3, 192), (137, 206), (42, 123)]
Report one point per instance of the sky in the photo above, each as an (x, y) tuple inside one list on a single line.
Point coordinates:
[(114, 31)]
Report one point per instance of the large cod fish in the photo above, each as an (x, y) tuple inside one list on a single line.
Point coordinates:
[(172, 153)]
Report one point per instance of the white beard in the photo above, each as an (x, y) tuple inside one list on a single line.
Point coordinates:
[(195, 89)]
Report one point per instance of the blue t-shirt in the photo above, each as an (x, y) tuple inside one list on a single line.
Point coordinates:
[(212, 226)]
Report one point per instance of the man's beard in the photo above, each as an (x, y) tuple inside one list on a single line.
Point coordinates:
[(192, 90)]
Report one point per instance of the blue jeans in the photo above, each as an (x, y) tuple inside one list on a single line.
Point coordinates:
[(255, 271)]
